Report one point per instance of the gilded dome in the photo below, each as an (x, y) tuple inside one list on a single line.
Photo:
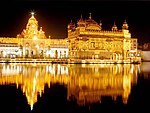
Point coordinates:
[(32, 20), (91, 21), (31, 31), (92, 24)]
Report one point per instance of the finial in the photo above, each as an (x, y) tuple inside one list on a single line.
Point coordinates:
[(81, 16), (125, 25), (100, 23), (41, 28), (114, 23), (125, 21), (90, 15), (32, 14), (114, 27), (81, 19)]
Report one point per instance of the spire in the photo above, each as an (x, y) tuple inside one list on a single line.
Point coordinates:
[(40, 28), (125, 25), (125, 21), (90, 15), (32, 29), (70, 22), (114, 27), (81, 17), (71, 26), (100, 24), (114, 23), (81, 22)]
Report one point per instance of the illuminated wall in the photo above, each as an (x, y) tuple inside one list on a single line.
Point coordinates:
[(85, 41), (88, 40), (32, 43)]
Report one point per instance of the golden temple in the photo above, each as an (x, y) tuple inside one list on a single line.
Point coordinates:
[(86, 43)]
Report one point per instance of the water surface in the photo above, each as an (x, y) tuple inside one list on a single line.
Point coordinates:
[(74, 88)]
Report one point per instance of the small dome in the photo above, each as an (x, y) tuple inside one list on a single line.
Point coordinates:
[(81, 19), (81, 22), (125, 25), (32, 19), (71, 23), (71, 26), (114, 27), (91, 21), (91, 24)]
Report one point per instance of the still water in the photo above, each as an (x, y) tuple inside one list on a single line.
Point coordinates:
[(74, 88)]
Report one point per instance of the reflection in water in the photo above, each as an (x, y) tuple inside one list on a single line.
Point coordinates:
[(33, 77), (86, 83)]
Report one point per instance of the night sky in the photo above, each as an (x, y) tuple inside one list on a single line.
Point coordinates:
[(54, 16)]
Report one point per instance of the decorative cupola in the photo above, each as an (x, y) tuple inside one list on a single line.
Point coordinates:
[(114, 27), (81, 19), (31, 30), (92, 25), (71, 26), (125, 30), (42, 33), (125, 25), (32, 24), (81, 22), (90, 21)]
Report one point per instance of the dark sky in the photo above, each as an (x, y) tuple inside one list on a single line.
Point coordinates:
[(54, 16)]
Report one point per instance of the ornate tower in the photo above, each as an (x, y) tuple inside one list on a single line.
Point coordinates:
[(125, 25), (71, 26), (32, 39), (114, 27), (31, 31), (32, 25), (81, 24), (125, 30)]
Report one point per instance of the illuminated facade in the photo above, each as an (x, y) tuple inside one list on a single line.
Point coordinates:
[(89, 42), (32, 43), (86, 43), (9, 50), (87, 83)]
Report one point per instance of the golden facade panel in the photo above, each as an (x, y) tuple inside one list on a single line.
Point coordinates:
[(88, 38)]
